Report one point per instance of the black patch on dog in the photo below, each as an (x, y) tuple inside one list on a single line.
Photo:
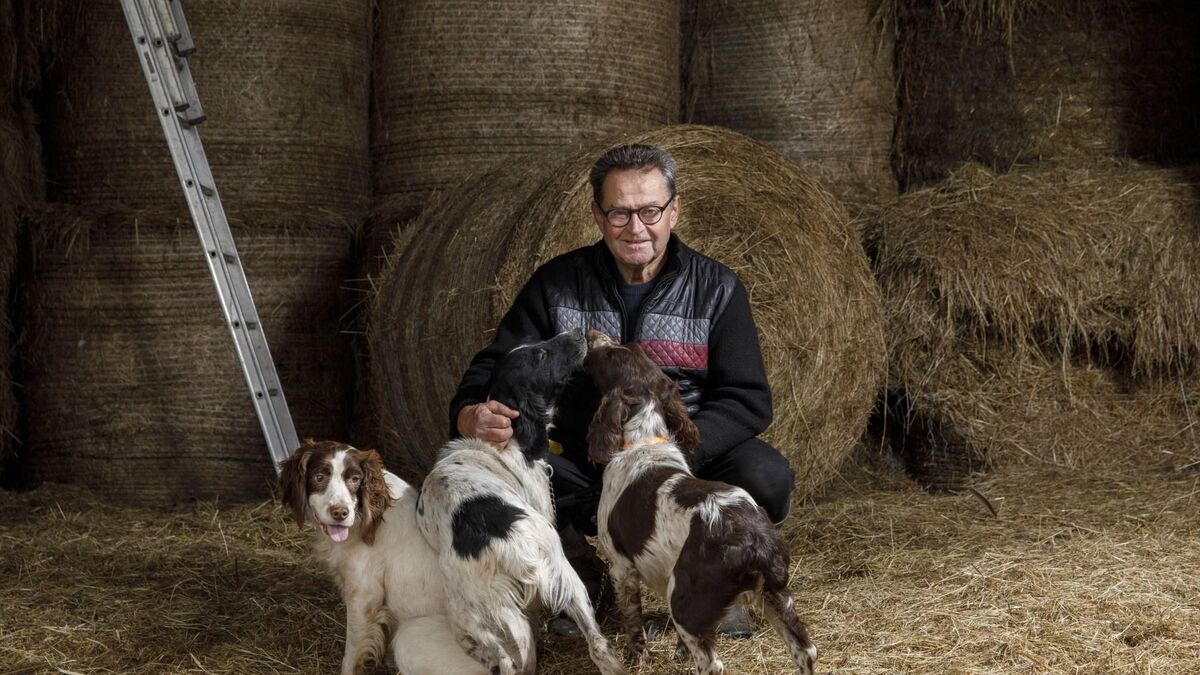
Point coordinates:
[(479, 520), (631, 522)]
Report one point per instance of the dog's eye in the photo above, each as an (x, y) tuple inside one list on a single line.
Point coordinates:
[(354, 479)]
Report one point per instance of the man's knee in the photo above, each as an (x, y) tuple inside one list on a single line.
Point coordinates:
[(576, 495), (760, 469)]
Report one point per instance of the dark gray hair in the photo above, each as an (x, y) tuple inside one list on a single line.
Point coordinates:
[(632, 156)]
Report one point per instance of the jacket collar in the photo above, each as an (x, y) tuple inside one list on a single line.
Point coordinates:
[(677, 256)]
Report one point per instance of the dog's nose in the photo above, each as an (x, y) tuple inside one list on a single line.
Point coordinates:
[(339, 513)]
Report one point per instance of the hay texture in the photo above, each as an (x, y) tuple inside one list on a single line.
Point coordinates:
[(132, 382), (1100, 256), (461, 84), (1006, 83), (1080, 572), (814, 303), (812, 79), (1048, 314), (284, 84)]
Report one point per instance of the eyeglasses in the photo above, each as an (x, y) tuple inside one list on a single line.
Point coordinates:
[(649, 215)]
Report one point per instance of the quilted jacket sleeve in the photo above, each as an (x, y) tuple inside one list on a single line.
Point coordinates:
[(736, 405)]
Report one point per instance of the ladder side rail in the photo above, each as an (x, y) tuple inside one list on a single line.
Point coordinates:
[(177, 105)]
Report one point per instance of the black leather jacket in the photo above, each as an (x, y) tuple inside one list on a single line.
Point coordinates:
[(696, 325)]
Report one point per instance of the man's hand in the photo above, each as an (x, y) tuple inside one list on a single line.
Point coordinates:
[(489, 421)]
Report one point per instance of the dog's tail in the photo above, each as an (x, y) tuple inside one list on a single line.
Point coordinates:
[(521, 559), (560, 584)]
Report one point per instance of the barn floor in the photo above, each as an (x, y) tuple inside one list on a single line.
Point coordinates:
[(1090, 572)]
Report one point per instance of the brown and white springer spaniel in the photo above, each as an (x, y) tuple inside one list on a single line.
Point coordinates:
[(700, 545), (365, 534)]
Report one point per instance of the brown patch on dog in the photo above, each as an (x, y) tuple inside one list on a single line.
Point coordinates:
[(631, 522), (307, 471), (300, 474), (628, 379), (722, 559), (373, 495), (690, 491)]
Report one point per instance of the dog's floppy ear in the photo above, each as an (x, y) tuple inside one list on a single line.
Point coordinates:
[(373, 492), (529, 431), (293, 480), (682, 429), (606, 432)]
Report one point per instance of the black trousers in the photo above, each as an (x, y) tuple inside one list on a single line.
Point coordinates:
[(754, 466)]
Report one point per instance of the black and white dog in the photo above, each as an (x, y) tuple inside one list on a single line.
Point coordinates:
[(490, 515)]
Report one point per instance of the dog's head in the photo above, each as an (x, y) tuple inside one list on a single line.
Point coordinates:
[(530, 378), (629, 382), (341, 485)]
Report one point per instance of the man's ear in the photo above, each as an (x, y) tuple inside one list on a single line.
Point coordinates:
[(606, 432), (673, 215)]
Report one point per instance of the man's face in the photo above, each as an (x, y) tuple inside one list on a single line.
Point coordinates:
[(638, 248)]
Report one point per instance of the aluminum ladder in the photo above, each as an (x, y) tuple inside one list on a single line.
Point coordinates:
[(160, 34)]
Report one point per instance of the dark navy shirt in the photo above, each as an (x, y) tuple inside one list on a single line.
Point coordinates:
[(634, 296)]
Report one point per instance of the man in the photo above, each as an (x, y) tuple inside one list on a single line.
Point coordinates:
[(690, 313)]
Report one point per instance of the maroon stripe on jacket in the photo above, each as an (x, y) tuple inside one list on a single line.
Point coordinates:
[(665, 353)]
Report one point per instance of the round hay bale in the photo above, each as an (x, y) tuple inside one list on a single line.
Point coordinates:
[(1099, 256), (462, 84), (815, 304), (1004, 83), (376, 246), (434, 308), (810, 78), (132, 385), (284, 84)]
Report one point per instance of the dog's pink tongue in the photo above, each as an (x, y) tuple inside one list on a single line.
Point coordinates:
[(337, 533)]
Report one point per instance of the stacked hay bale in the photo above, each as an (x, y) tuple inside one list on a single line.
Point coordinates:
[(132, 384), (21, 184), (461, 85), (812, 79), (1050, 314), (816, 307), (284, 84), (1006, 83)]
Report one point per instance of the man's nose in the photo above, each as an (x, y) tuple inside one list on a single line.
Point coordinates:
[(635, 223)]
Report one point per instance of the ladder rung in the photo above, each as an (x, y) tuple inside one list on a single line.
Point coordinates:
[(192, 115)]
